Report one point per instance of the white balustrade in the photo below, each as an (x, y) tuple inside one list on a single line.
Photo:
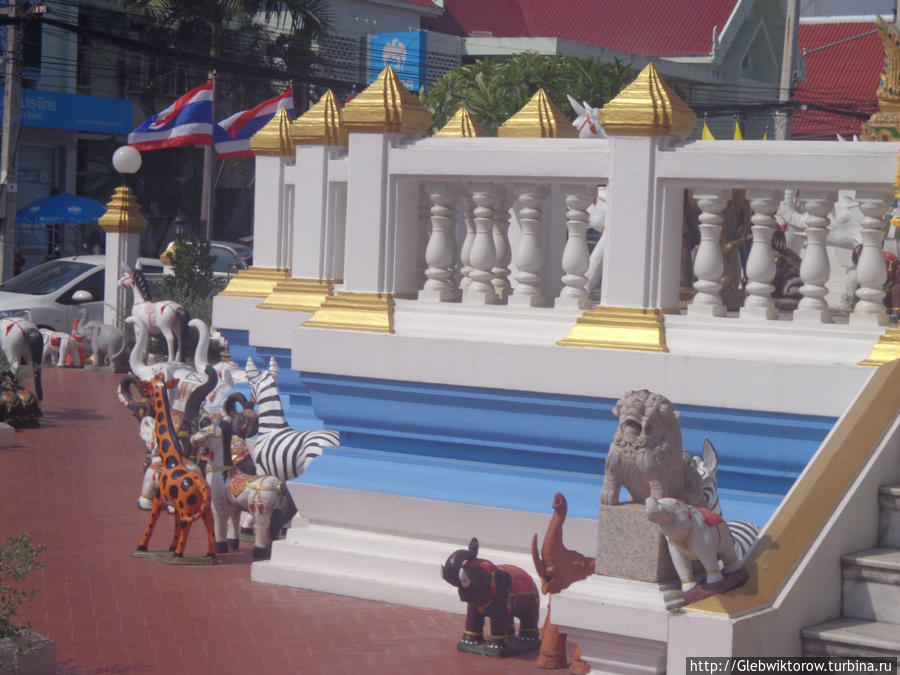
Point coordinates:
[(483, 254), (528, 255), (440, 251), (502, 286), (870, 268), (760, 266), (709, 264), (465, 253), (815, 268), (576, 259)]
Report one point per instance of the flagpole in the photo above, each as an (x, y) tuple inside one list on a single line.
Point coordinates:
[(208, 192)]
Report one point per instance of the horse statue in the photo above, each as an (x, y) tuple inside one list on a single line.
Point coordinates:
[(164, 317), (22, 342)]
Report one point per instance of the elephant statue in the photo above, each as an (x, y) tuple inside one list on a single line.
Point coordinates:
[(694, 533), (107, 343), (502, 593)]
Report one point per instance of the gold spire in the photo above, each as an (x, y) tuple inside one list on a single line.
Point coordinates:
[(648, 107), (274, 138), (123, 213), (538, 118), (463, 125), (320, 125), (888, 93), (386, 107)]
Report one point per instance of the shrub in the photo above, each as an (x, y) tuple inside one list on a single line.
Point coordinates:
[(17, 558)]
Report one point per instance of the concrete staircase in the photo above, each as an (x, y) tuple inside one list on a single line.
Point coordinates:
[(869, 624)]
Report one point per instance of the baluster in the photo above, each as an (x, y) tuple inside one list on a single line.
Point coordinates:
[(709, 264), (501, 284), (761, 261), (576, 260), (482, 254), (815, 268), (871, 273), (466, 252), (439, 252), (529, 259)]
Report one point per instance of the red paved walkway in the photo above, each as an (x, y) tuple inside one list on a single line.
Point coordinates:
[(73, 484)]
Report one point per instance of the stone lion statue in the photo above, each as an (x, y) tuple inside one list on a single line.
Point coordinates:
[(647, 448)]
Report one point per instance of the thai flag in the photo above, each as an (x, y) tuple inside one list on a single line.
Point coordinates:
[(188, 121), (233, 134)]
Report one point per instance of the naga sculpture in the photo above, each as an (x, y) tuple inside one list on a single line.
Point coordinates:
[(647, 447)]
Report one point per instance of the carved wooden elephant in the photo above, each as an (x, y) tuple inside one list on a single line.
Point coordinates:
[(501, 593)]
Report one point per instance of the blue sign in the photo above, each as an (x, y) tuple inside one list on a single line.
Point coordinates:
[(55, 110), (406, 53)]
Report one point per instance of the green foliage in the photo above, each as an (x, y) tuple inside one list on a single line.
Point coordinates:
[(17, 558), (493, 91)]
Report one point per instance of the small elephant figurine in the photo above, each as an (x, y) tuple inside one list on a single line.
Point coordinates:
[(107, 342), (695, 533), (502, 593)]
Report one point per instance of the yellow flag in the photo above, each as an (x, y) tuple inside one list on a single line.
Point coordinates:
[(707, 134), (766, 134), (738, 136)]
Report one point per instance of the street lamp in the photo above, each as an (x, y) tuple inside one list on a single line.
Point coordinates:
[(126, 159), (179, 222)]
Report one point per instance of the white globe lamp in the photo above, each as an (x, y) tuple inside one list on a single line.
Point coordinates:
[(126, 159)]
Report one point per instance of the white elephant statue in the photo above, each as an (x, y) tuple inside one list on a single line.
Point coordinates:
[(693, 534), (107, 342)]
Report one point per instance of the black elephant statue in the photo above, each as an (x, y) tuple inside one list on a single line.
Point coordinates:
[(501, 593)]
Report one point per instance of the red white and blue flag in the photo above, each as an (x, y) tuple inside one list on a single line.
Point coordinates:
[(233, 134), (188, 121)]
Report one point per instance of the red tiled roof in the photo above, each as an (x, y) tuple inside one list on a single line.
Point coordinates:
[(843, 77), (670, 28)]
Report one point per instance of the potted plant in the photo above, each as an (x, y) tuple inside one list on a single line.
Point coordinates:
[(21, 650)]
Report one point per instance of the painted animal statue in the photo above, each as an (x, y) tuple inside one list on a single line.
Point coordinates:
[(693, 534), (18, 406), (165, 317), (234, 491), (22, 343), (107, 342), (59, 346), (501, 593), (647, 447), (185, 490)]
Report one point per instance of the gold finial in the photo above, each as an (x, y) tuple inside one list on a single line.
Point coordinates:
[(123, 213), (538, 118), (274, 138), (463, 125), (888, 93), (648, 107), (386, 107), (320, 125)]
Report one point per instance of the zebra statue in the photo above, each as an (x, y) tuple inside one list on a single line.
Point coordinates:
[(743, 532), (280, 450)]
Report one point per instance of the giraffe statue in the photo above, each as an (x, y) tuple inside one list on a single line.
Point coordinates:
[(185, 490)]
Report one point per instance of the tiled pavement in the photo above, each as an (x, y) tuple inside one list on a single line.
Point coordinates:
[(73, 484)]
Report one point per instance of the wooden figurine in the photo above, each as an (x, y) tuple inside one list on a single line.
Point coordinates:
[(501, 593)]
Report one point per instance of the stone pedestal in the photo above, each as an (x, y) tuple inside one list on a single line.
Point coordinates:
[(630, 547)]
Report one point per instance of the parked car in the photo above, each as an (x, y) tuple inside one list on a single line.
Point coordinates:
[(228, 257), (56, 290)]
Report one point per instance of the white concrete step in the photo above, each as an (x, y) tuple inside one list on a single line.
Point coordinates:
[(851, 637), (889, 516), (871, 585)]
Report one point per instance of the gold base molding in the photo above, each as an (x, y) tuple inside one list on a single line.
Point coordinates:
[(298, 295), (255, 282), (631, 328), (887, 349), (372, 312)]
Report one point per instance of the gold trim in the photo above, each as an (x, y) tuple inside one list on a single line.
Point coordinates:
[(538, 118), (298, 295), (463, 125), (323, 124), (887, 349), (123, 213), (888, 92), (356, 311), (275, 138), (631, 328), (648, 107), (816, 495), (255, 282), (386, 107)]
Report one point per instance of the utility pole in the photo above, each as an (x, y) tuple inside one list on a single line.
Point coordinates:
[(788, 68), (9, 149), (208, 191)]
